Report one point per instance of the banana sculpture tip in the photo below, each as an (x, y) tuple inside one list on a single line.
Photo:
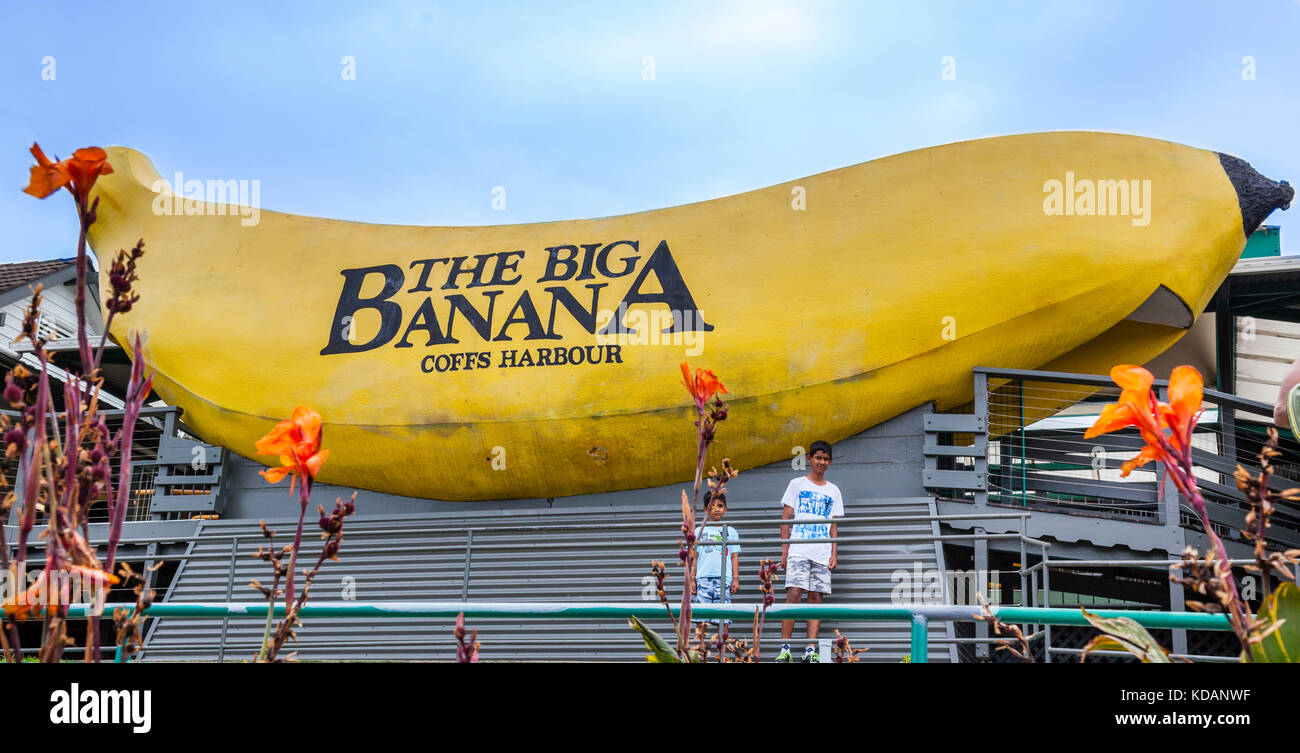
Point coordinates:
[(1257, 196)]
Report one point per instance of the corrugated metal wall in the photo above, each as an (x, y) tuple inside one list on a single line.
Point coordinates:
[(587, 555), (1266, 348)]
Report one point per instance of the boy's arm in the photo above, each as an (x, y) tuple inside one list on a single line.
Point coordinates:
[(1290, 380), (787, 512), (735, 572), (837, 511)]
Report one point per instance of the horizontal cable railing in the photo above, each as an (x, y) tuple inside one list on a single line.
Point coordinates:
[(173, 477), (153, 424), (1024, 446), (1162, 567)]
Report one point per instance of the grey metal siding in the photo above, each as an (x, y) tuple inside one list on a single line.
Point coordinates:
[(578, 555)]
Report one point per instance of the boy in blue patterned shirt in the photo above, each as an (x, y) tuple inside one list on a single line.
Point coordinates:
[(712, 585)]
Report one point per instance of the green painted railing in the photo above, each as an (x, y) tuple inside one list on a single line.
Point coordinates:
[(918, 616)]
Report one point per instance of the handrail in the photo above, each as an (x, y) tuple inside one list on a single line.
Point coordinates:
[(155, 410), (164, 609), (919, 615), (37, 544), (1212, 396)]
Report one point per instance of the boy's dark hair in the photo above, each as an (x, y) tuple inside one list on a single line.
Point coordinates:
[(709, 496), (820, 445)]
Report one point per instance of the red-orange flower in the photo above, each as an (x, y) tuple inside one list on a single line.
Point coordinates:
[(297, 442), (78, 173), (43, 596), (23, 606), (1137, 406), (1186, 391), (703, 386)]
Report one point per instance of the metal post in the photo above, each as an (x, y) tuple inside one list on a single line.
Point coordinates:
[(920, 639), (1047, 589), (469, 551), (726, 584), (150, 552), (1024, 480), (1176, 605), (1228, 433), (1024, 555), (15, 519), (982, 460), (230, 585), (981, 575), (1033, 583), (1024, 564), (1225, 339)]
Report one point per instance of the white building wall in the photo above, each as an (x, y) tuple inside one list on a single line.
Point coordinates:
[(58, 320), (1265, 350)]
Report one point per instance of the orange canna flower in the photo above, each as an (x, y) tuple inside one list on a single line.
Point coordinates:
[(1137, 406), (78, 173), (1146, 455), (47, 177), (1186, 390), (297, 442), (95, 575), (24, 605), (42, 596), (703, 386)]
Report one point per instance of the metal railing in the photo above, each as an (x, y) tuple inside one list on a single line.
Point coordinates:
[(1179, 643), (241, 546), (1034, 583), (1022, 446), (153, 425), (918, 617)]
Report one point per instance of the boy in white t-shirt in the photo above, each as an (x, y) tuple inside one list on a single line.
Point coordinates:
[(808, 566)]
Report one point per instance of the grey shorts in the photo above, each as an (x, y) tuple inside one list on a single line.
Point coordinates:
[(807, 575)]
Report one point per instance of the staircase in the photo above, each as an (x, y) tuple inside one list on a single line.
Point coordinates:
[(599, 555)]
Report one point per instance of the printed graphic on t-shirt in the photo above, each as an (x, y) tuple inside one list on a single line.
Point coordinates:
[(711, 534), (816, 504)]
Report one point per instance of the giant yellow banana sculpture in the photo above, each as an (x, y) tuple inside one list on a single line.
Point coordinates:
[(474, 363)]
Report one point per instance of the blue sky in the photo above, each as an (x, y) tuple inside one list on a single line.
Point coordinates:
[(549, 100)]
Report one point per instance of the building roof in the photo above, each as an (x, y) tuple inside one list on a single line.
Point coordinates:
[(24, 272), (1267, 265)]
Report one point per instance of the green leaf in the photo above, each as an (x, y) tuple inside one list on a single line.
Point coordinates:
[(1123, 633), (663, 653), (1280, 608)]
